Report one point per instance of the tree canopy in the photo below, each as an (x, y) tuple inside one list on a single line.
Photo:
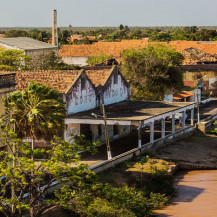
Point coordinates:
[(38, 111), (152, 71), (11, 59)]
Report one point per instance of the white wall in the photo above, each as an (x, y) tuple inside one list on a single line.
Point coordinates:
[(81, 100), (71, 129), (80, 61), (168, 98), (115, 92)]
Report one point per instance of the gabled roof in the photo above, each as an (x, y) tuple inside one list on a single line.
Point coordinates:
[(99, 74), (25, 43), (59, 80)]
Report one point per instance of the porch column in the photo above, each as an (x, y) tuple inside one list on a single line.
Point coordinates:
[(162, 128), (139, 137), (192, 117), (173, 124), (152, 131), (183, 120)]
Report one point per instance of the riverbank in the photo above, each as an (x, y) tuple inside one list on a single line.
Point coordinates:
[(196, 195)]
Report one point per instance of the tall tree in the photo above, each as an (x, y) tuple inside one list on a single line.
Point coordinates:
[(152, 71)]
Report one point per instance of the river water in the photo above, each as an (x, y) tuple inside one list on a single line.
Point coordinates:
[(196, 196)]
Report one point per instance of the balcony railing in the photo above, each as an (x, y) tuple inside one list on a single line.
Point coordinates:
[(7, 80)]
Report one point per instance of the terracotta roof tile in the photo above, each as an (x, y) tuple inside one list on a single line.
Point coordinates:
[(99, 48), (189, 83), (98, 75), (59, 80), (182, 95), (194, 51)]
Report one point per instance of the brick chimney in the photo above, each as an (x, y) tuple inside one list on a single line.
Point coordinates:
[(54, 29)]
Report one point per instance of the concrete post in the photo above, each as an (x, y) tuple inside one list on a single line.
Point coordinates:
[(140, 138), (162, 128), (173, 124), (152, 132), (183, 120), (192, 117)]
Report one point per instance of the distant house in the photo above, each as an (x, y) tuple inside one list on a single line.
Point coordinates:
[(30, 46)]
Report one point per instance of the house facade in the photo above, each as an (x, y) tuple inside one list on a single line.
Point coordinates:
[(83, 90)]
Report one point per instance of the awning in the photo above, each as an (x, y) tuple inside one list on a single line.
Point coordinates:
[(182, 95)]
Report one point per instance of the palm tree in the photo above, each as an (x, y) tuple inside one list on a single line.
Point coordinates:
[(38, 112)]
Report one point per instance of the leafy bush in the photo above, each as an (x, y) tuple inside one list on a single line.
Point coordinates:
[(93, 60)]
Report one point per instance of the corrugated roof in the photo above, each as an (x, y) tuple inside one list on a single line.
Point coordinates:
[(25, 43)]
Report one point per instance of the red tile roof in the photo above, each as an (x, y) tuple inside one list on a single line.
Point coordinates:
[(98, 75), (189, 83), (182, 95), (99, 48), (59, 80), (193, 51)]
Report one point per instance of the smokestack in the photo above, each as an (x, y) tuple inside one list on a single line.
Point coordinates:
[(54, 29)]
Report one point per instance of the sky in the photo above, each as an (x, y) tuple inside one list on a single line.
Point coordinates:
[(38, 13)]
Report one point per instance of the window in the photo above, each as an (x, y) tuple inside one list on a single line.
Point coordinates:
[(83, 83), (115, 129), (99, 130), (116, 77)]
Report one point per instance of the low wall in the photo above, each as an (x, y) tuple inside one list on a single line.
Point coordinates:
[(115, 160), (206, 100), (168, 139), (206, 124)]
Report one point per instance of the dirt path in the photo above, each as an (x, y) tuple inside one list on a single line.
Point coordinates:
[(197, 195), (194, 149)]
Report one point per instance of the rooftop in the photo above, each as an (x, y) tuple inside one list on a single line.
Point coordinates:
[(98, 75), (132, 110), (194, 51), (59, 80), (189, 83), (182, 95), (25, 43)]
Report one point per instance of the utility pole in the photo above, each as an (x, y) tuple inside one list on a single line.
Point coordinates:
[(198, 110), (106, 133)]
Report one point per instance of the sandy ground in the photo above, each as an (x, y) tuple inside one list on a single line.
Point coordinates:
[(200, 149)]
